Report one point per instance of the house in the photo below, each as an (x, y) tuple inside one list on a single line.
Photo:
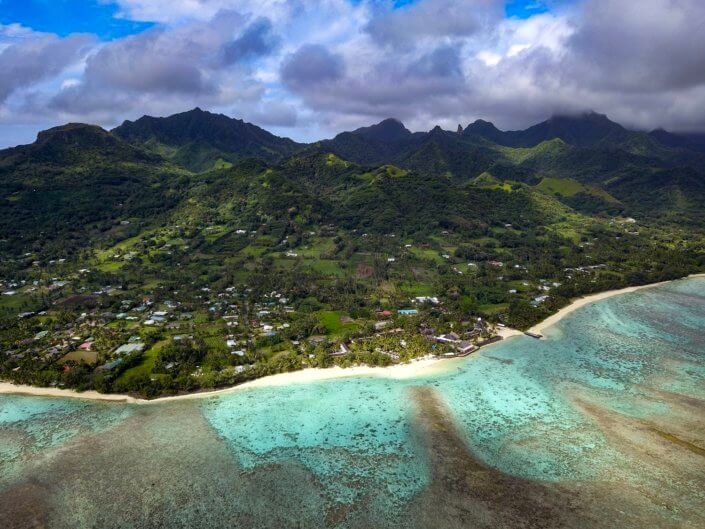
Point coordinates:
[(86, 346), (465, 348), (341, 351), (380, 325), (384, 313), (317, 340), (110, 365), (408, 312), (448, 338), (538, 300), (129, 348), (427, 330), (426, 299)]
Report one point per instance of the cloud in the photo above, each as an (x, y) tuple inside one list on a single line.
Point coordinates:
[(650, 45), (311, 65), (173, 68), (256, 41), (174, 12), (154, 61), (642, 64), (272, 114), (337, 64), (35, 57), (432, 19)]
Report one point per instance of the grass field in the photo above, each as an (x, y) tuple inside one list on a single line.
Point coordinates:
[(427, 254), (567, 187), (494, 309), (418, 289), (147, 365), (325, 267), (331, 321)]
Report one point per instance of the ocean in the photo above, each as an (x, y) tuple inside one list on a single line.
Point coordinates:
[(602, 424)]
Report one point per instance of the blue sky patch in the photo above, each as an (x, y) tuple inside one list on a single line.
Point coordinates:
[(64, 17), (525, 8)]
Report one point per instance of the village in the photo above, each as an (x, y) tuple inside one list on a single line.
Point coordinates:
[(133, 336), (161, 312)]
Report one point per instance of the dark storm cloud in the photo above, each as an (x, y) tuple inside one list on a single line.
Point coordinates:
[(643, 46), (312, 65), (37, 58), (256, 41)]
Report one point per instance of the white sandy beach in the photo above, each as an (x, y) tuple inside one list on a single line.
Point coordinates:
[(581, 302), (415, 368), (7, 388), (508, 332)]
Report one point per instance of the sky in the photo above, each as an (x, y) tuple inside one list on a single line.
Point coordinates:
[(308, 69)]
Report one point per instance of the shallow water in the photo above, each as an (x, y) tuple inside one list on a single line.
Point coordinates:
[(602, 421)]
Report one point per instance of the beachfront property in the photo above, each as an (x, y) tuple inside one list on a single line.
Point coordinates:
[(464, 348)]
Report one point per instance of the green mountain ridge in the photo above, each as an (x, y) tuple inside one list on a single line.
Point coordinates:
[(197, 139), (101, 176)]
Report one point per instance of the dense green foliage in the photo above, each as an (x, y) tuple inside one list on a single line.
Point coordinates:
[(226, 253)]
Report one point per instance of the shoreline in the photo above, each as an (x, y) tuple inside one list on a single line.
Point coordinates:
[(8, 388), (412, 369), (578, 303), (415, 368)]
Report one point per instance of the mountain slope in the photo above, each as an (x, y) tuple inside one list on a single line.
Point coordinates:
[(583, 130), (389, 130), (77, 182), (198, 140)]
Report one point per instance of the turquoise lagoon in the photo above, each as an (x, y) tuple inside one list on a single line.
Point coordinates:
[(519, 406)]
